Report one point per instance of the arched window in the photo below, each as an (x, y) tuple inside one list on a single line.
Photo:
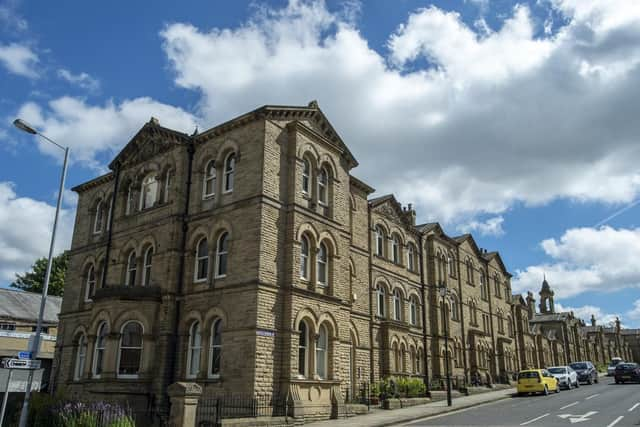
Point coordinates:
[(209, 185), (419, 361), (500, 322), (195, 347), (321, 353), (90, 287), (167, 184), (304, 258), (97, 225), (397, 305), (146, 270), (470, 272), (132, 268), (322, 264), (306, 176), (395, 249), (496, 285), (229, 172), (323, 182), (215, 348), (130, 350), (303, 346), (483, 287), (452, 266), (454, 308), (131, 204), (81, 358), (396, 357), (411, 258), (202, 261), (381, 300), (98, 352), (222, 254), (413, 310), (510, 326), (379, 241), (149, 192)]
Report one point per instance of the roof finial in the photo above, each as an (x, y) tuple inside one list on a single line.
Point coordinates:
[(195, 131), (313, 104)]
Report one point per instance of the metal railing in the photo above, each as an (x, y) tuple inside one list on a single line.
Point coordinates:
[(212, 410)]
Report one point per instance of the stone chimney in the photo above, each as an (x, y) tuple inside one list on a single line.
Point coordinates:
[(531, 305), (593, 320), (154, 121), (410, 214), (618, 325)]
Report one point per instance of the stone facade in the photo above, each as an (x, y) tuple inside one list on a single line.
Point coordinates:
[(248, 259)]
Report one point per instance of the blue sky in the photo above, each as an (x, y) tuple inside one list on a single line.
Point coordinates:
[(515, 121)]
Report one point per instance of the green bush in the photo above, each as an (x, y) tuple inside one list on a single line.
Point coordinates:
[(601, 367), (404, 387)]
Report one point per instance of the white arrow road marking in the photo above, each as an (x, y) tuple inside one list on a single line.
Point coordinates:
[(592, 396), (615, 421), (534, 420), (578, 418), (569, 405), (634, 407)]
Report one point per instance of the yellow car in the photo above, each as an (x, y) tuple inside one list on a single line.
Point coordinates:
[(537, 381)]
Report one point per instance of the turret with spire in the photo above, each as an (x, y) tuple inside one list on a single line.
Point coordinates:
[(546, 297)]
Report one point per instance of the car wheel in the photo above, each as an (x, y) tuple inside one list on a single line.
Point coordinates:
[(545, 391), (590, 381)]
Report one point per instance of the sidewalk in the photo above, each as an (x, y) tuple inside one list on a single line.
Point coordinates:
[(381, 417)]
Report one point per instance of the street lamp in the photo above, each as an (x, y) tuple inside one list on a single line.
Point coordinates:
[(443, 293), (35, 345)]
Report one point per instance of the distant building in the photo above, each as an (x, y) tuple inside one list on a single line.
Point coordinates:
[(18, 317)]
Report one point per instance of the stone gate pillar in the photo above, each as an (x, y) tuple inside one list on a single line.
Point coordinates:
[(184, 403)]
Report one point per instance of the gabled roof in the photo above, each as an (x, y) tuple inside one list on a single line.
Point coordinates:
[(287, 112), (491, 255), (25, 306), (469, 238), (518, 299), (361, 184), (429, 226), (391, 201), (150, 130)]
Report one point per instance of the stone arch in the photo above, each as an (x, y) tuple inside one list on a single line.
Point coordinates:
[(219, 227), (327, 237), (354, 334), (309, 316), (131, 315), (79, 331), (310, 230), (195, 236), (148, 167), (102, 315), (187, 321), (147, 241), (382, 223), (228, 146), (402, 236), (384, 282), (212, 314), (327, 162), (308, 150), (131, 245), (328, 318)]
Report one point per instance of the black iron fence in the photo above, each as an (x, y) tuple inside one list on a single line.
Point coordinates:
[(212, 410), (362, 394)]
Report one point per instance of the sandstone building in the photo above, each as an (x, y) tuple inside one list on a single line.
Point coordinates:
[(248, 258)]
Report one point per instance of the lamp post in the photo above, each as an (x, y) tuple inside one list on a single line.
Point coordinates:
[(443, 293), (35, 345)]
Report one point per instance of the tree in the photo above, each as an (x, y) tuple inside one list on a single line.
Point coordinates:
[(33, 281)]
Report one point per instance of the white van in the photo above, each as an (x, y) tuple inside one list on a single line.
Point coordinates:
[(611, 369)]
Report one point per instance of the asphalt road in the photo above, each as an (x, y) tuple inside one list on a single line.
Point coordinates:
[(605, 405)]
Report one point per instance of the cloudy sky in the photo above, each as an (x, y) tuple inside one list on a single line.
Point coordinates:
[(515, 121)]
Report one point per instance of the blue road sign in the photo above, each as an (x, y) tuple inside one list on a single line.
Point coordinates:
[(25, 355)]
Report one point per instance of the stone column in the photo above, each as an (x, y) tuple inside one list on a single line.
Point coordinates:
[(184, 402)]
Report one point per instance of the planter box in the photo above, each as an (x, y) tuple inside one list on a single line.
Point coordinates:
[(404, 402)]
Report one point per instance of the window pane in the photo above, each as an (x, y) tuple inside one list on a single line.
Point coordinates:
[(229, 169)]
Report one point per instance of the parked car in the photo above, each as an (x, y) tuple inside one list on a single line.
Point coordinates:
[(627, 372), (611, 369), (537, 381), (587, 373), (566, 376)]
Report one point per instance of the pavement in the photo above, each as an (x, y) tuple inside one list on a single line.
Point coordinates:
[(604, 405), (381, 417)]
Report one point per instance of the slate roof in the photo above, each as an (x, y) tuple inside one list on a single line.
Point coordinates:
[(19, 305), (551, 317), (425, 228)]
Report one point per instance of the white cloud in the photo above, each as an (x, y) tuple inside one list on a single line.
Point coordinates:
[(587, 259), (10, 20), (490, 227), (19, 59), (92, 131), (25, 231), (82, 80), (634, 313), (497, 117)]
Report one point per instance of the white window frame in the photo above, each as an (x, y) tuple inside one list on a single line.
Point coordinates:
[(132, 267), (120, 348), (222, 253), (306, 176), (147, 263), (397, 305), (97, 223), (410, 258), (323, 187), (413, 310), (100, 346), (213, 347), (380, 236), (191, 347), (130, 206), (199, 258), (381, 297), (304, 257), (322, 359), (81, 358), (322, 265), (150, 181), (209, 178), (90, 285), (395, 249), (229, 172)]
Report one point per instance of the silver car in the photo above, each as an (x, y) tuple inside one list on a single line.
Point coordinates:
[(565, 375)]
